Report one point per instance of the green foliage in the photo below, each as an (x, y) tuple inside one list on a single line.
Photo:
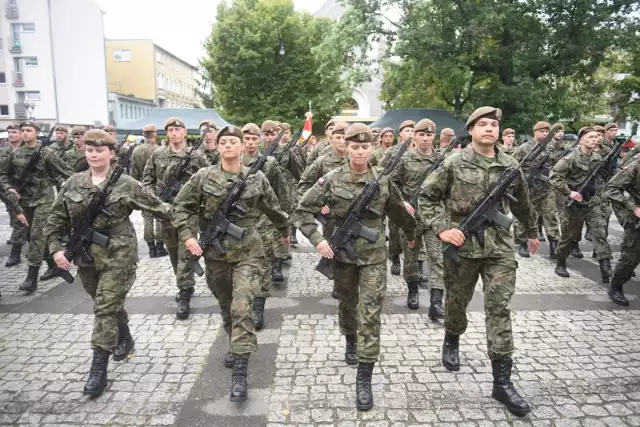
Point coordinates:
[(252, 81)]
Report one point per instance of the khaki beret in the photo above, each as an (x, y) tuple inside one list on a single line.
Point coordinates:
[(13, 127), (358, 132), (425, 125), (285, 126), (376, 131), (30, 123), (99, 138), (269, 126), (560, 126), (79, 130), (329, 123), (61, 128), (229, 131), (208, 123), (610, 126), (339, 128), (174, 121), (406, 124), (150, 128), (541, 126), (385, 130), (251, 129), (107, 128), (598, 128), (491, 112), (508, 131), (585, 130), (448, 132)]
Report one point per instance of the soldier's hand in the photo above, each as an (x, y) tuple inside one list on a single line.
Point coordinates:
[(410, 208), (22, 219), (636, 212), (325, 210), (534, 244), (576, 196), (193, 246), (61, 261), (14, 192), (453, 236), (286, 241), (324, 249), (411, 244)]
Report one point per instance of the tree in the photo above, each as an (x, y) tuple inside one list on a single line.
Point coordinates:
[(252, 81)]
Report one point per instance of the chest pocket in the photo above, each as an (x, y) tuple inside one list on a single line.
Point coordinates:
[(212, 193), (74, 200), (250, 195), (379, 201), (341, 199)]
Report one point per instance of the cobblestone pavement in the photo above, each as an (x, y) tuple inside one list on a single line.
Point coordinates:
[(577, 358)]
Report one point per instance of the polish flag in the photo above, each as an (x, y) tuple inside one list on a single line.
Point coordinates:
[(308, 126)]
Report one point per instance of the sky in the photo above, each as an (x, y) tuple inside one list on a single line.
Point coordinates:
[(177, 26)]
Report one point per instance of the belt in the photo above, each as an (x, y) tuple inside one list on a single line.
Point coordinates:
[(369, 222), (244, 222), (112, 231)]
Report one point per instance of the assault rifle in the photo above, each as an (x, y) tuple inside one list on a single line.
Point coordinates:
[(83, 235), (485, 213), (586, 187), (345, 236), (175, 180), (28, 176), (538, 168), (222, 225)]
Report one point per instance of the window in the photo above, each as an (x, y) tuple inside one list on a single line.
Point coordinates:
[(29, 27), (4, 110), (3, 77), (122, 55), (32, 96), (159, 57), (30, 61)]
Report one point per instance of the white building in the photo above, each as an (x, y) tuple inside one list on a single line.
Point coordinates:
[(52, 62), (125, 109)]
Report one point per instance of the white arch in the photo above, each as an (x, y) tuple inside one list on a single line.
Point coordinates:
[(364, 106)]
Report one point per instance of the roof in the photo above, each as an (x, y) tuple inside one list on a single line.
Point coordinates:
[(158, 116), (442, 119)]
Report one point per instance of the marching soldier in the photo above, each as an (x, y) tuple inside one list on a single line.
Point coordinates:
[(386, 141), (508, 138), (110, 276), (75, 156), (210, 151), (328, 128), (447, 136), (462, 182), (362, 283), (19, 230), (234, 278), (62, 142), (376, 137)]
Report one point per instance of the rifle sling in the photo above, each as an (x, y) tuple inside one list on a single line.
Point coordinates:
[(112, 231)]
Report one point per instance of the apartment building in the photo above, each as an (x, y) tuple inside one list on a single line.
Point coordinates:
[(147, 71), (52, 65)]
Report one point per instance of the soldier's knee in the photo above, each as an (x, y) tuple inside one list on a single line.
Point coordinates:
[(240, 307)]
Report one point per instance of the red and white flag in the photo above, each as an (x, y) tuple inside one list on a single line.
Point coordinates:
[(308, 127)]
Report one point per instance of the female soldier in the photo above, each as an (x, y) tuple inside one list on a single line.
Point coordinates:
[(113, 270), (363, 279), (234, 276)]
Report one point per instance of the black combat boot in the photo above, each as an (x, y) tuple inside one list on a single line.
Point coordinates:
[(125, 343), (523, 250), (294, 238), (228, 359), (395, 265), (435, 309), (258, 312), (351, 350), (413, 297), (51, 271), (276, 271), (152, 250), (14, 256), (607, 264), (575, 251), (604, 272), (541, 234), (553, 247), (561, 267), (450, 352), (364, 394), (503, 389), (160, 249), (239, 379), (616, 294), (30, 284), (184, 298), (335, 294), (97, 381)]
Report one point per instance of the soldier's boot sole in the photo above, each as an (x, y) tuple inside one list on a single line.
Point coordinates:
[(183, 310)]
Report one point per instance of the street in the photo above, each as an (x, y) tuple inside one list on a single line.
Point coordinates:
[(577, 359)]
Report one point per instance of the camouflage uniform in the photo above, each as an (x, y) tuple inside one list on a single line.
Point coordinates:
[(139, 158), (76, 159), (320, 146), (18, 229), (395, 245), (212, 156), (629, 156), (508, 151), (61, 147), (323, 165)]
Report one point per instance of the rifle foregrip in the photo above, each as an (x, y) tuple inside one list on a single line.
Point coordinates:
[(66, 276), (324, 268)]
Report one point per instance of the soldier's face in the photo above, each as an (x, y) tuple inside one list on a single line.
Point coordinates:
[(78, 140), (230, 147), (176, 134), (250, 143), (328, 132), (337, 142), (387, 139), (61, 135), (508, 140), (485, 131), (359, 153), (269, 135), (14, 136), (445, 139), (559, 134), (424, 140), (590, 140), (29, 134), (210, 137), (287, 135), (540, 134), (99, 157), (611, 133), (406, 133)]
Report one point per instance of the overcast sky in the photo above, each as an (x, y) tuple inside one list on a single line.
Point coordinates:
[(178, 26)]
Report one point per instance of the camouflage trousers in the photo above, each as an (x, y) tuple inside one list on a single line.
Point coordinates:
[(152, 228), (629, 256), (179, 257), (425, 237), (499, 281), (38, 251), (19, 232), (108, 289), (235, 285), (395, 247), (544, 204), (362, 289), (592, 216), (267, 232), (281, 252)]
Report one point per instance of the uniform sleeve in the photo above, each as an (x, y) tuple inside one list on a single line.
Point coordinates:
[(558, 177), (397, 211), (519, 153), (57, 223), (623, 180), (310, 205), (522, 208), (143, 199), (397, 176), (271, 208), (149, 177), (296, 165), (6, 168), (309, 177), (57, 168), (279, 186), (434, 192), (185, 207), (136, 165)]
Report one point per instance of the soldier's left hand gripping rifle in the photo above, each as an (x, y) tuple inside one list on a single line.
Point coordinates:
[(485, 213), (83, 235), (221, 225), (350, 229), (28, 178), (175, 180)]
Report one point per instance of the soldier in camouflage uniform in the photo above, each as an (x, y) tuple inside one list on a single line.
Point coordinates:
[(407, 177), (35, 199), (74, 156), (328, 128), (19, 231), (386, 141), (463, 181), (447, 135), (234, 278), (251, 137), (209, 144), (139, 158), (542, 195), (110, 276), (508, 138), (362, 282), (376, 137), (156, 175), (565, 177), (62, 142)]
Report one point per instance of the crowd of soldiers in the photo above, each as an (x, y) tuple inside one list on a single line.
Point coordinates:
[(311, 186)]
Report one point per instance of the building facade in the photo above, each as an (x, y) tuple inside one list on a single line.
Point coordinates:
[(124, 109), (146, 71), (42, 74)]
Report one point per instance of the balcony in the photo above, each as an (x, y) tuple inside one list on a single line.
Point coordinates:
[(21, 111), (15, 46), (18, 79), (11, 10)]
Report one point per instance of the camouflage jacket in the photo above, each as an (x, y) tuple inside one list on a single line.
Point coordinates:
[(139, 158), (322, 166), (291, 164), (272, 171), (627, 180), (76, 160), (339, 189), (50, 168), (377, 155), (407, 174), (541, 183), (59, 148), (508, 151), (570, 172), (126, 195), (163, 161), (200, 198), (390, 152), (212, 156), (461, 183), (313, 156), (628, 157)]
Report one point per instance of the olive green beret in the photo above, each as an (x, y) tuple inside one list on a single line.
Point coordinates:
[(508, 131), (150, 128), (598, 128), (61, 128), (448, 132), (425, 125), (99, 138), (406, 124), (208, 123), (30, 123), (285, 126), (385, 130), (339, 128), (358, 132), (108, 128), (13, 127), (229, 131), (376, 131), (560, 126), (251, 129), (491, 112), (610, 126), (541, 126), (79, 130), (174, 121), (585, 130), (269, 126), (329, 123)]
